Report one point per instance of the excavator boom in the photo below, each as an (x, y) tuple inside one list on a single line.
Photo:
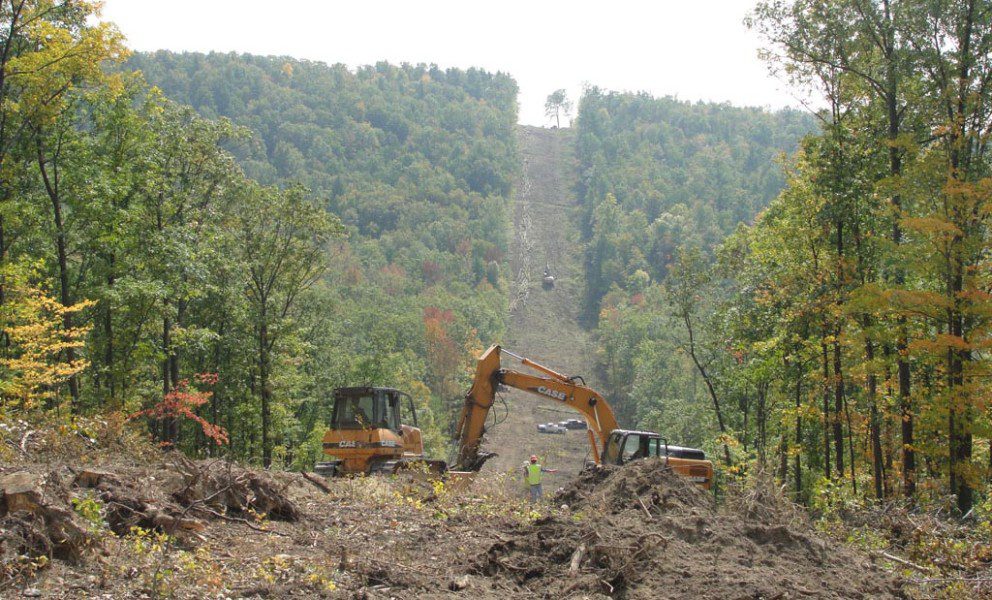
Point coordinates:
[(489, 375), (599, 416)]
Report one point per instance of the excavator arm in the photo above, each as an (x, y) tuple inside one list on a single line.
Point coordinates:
[(550, 384)]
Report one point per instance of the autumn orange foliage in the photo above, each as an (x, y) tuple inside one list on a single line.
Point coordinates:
[(181, 403)]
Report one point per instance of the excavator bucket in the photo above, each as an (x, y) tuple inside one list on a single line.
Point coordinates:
[(459, 480), (478, 401)]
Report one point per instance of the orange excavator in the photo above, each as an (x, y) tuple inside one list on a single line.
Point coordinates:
[(610, 444)]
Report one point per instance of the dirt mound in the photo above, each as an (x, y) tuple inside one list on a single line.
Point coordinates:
[(51, 512), (628, 532), (641, 531), (647, 483)]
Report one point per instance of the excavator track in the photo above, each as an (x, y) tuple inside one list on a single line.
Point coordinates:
[(409, 465)]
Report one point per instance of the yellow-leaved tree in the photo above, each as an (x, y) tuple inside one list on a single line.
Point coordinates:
[(51, 52), (33, 369)]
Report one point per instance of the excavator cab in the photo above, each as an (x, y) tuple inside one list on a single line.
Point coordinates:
[(624, 446), (367, 433)]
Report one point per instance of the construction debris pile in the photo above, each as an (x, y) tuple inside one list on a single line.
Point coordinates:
[(632, 532), (42, 511), (642, 532)]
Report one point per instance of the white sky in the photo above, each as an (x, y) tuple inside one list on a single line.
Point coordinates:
[(692, 49)]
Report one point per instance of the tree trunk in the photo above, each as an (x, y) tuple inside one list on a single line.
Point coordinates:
[(265, 389), (4, 338), (826, 411), (890, 97), (709, 387), (215, 399), (783, 459), (878, 473), (108, 333), (906, 412), (850, 445), (170, 432), (961, 413), (799, 438), (762, 424), (745, 408), (174, 355), (838, 427), (65, 294)]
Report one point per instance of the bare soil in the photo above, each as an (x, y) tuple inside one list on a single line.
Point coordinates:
[(634, 532), (544, 323), (643, 532)]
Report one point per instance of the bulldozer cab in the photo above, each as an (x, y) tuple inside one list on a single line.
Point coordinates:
[(370, 408), (371, 431)]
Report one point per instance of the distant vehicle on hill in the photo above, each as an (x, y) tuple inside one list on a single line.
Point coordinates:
[(548, 280)]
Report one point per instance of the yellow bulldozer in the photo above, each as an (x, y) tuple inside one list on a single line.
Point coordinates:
[(369, 434)]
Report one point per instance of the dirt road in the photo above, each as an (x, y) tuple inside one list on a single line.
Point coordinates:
[(544, 324)]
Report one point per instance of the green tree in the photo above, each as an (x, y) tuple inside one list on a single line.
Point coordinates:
[(50, 52), (557, 105), (282, 241), (688, 282)]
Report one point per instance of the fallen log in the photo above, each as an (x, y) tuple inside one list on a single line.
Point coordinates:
[(577, 556), (21, 491), (317, 482)]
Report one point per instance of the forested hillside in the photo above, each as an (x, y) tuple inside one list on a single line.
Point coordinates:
[(391, 148), (150, 271), (655, 175), (840, 338), (416, 162)]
